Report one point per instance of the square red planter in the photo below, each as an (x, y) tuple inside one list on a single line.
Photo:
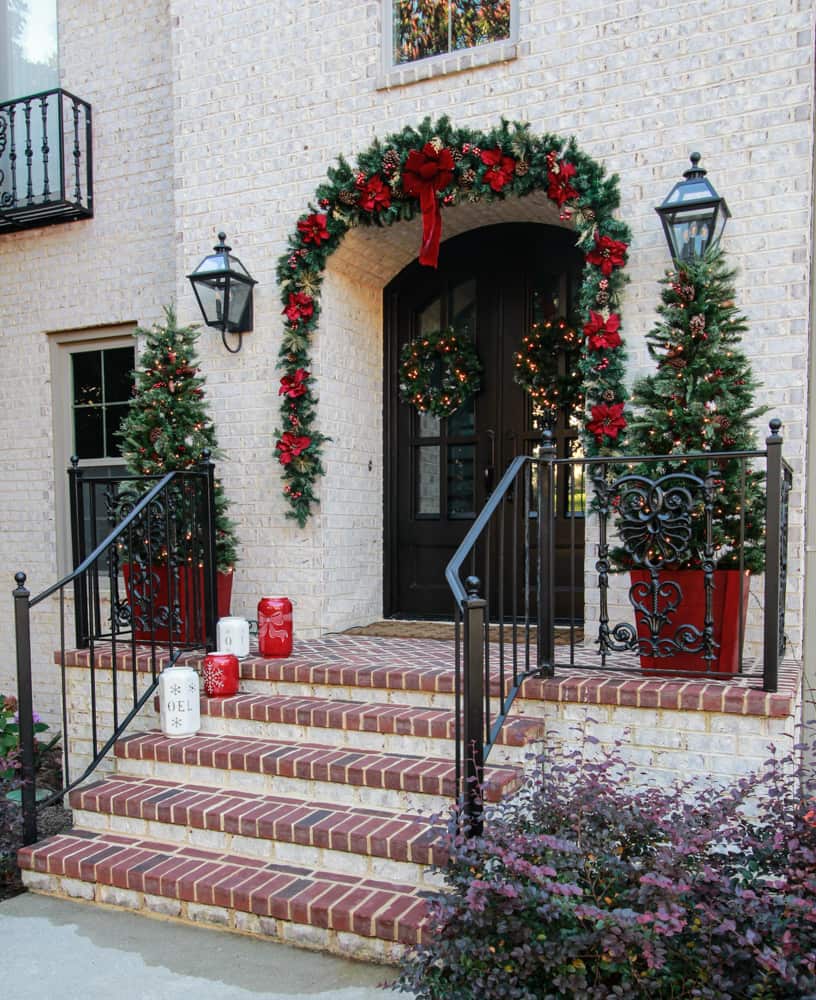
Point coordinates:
[(730, 586), (183, 631)]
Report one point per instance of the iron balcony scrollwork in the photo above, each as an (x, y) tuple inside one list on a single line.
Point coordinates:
[(45, 160)]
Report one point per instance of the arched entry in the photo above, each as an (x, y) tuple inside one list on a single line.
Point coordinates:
[(491, 284)]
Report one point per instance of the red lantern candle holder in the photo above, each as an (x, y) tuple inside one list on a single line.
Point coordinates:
[(220, 675), (275, 626)]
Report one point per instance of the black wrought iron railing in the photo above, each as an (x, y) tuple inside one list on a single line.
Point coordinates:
[(143, 594), (46, 160), (668, 547)]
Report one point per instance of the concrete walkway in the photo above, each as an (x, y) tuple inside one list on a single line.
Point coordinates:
[(55, 948)]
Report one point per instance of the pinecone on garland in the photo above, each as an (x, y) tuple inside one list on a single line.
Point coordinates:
[(348, 197), (602, 298), (468, 178), (522, 168), (457, 155), (390, 161), (154, 434)]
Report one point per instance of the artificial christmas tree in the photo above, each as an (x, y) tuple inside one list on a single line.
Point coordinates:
[(700, 400), (168, 429)]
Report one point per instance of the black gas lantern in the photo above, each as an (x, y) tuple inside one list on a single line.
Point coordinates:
[(223, 287), (693, 215)]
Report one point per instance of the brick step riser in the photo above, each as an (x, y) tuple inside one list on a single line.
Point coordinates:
[(276, 851), (392, 743), (398, 800), (346, 692), (344, 943)]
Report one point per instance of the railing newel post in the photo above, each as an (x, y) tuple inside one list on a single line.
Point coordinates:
[(25, 707), (545, 637), (207, 466), (773, 554), (474, 611)]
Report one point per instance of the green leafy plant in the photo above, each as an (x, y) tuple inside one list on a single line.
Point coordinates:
[(590, 884)]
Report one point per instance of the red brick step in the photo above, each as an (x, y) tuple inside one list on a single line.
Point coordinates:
[(367, 908), (374, 832), (314, 762)]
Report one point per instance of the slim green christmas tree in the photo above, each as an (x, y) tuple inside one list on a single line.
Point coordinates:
[(167, 427), (701, 399)]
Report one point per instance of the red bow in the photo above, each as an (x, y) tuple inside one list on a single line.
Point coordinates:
[(427, 171)]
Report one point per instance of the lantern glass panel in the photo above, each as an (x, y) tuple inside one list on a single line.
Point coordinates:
[(238, 301), (692, 231)]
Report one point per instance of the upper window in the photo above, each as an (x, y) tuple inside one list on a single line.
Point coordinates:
[(422, 29), (28, 48)]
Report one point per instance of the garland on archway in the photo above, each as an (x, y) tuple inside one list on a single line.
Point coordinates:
[(421, 170), (439, 371)]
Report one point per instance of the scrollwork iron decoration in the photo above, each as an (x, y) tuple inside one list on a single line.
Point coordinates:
[(5, 196), (654, 522)]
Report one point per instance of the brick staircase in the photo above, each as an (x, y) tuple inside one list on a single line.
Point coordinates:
[(303, 809)]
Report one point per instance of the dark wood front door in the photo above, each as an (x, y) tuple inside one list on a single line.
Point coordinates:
[(439, 472)]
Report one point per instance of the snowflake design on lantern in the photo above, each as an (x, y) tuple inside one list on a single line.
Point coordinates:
[(213, 675), (175, 690)]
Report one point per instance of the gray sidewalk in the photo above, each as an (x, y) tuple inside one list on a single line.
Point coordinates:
[(57, 948)]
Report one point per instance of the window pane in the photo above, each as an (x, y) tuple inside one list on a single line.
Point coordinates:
[(114, 415), (425, 28), (118, 364), (88, 437), (461, 494), (28, 47), (420, 29), (87, 373), (463, 308), (475, 22), (427, 479)]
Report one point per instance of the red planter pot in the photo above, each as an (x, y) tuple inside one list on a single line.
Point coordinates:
[(153, 592), (725, 607)]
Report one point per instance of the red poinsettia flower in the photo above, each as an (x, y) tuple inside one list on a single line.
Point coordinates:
[(300, 306), (608, 254), (294, 385), (500, 168), (291, 445), (602, 334), (375, 195), (607, 421), (312, 229), (560, 190)]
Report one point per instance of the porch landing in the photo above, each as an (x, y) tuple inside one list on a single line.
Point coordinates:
[(303, 808)]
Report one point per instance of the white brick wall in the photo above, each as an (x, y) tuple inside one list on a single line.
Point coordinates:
[(227, 117)]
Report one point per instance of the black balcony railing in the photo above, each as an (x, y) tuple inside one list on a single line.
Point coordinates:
[(671, 543), (46, 163), (146, 590)]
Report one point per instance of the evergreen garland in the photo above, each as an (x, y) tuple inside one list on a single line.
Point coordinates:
[(167, 427), (701, 399), (473, 166)]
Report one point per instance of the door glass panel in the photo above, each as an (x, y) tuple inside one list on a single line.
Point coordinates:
[(428, 425), (427, 480), (430, 318), (576, 491), (463, 422), (461, 480), (462, 308)]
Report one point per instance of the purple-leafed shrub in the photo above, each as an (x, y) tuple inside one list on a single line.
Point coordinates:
[(591, 885)]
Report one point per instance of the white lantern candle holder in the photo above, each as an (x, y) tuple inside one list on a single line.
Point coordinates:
[(232, 636), (179, 705)]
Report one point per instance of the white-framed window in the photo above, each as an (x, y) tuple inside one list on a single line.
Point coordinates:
[(91, 386), (438, 36), (28, 48)]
